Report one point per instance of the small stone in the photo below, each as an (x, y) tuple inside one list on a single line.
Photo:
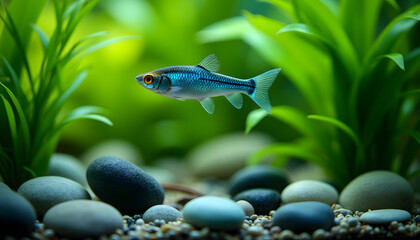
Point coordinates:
[(246, 206), (309, 190), (123, 185), (45, 192), (83, 218), (214, 212), (4, 186), (304, 216), (64, 165), (377, 190), (221, 157), (161, 212), (17, 216), (260, 176), (385, 216), (263, 200)]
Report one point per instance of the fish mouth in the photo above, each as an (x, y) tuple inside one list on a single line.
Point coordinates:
[(139, 78)]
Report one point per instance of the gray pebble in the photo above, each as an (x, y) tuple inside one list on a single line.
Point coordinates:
[(246, 206), (123, 185), (4, 186), (304, 216), (310, 190), (161, 212), (385, 216), (83, 218), (17, 216), (45, 192), (377, 190), (260, 176), (64, 165), (214, 212)]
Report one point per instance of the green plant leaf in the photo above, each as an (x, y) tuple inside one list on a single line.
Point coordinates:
[(12, 121), (87, 112), (397, 58), (108, 42), (42, 36), (342, 126), (415, 134), (253, 118), (304, 29)]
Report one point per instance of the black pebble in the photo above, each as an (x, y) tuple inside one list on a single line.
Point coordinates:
[(263, 200)]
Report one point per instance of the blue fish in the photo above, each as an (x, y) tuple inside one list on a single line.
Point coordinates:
[(201, 82)]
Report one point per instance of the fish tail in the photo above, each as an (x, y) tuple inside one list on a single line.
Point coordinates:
[(263, 82)]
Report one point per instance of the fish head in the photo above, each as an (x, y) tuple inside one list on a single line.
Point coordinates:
[(155, 82)]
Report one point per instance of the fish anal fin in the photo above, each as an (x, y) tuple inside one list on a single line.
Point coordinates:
[(210, 63), (208, 105), (236, 100)]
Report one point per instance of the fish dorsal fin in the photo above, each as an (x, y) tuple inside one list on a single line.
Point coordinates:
[(210, 63), (236, 100), (208, 105)]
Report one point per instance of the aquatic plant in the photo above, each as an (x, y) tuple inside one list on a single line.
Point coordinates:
[(356, 64), (33, 94)]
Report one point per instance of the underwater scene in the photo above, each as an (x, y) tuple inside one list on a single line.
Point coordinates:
[(209, 119)]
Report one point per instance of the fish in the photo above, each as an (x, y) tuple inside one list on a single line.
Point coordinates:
[(202, 82)]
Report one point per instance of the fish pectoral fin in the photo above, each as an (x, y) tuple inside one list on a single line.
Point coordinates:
[(236, 100), (210, 63), (208, 105)]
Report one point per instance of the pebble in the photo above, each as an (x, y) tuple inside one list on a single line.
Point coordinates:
[(377, 190), (83, 218), (17, 216), (310, 190), (64, 165), (161, 212), (4, 186), (246, 206), (263, 200), (385, 216), (214, 212), (123, 185), (260, 176), (304, 216), (221, 157), (45, 192)]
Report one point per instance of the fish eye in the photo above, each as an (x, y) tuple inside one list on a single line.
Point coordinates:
[(148, 79)]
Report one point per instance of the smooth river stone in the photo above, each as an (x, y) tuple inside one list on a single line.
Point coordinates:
[(310, 190), (161, 212), (385, 216), (45, 192), (304, 216), (64, 165), (260, 176), (377, 190), (214, 212), (124, 185), (83, 219), (17, 216), (263, 200)]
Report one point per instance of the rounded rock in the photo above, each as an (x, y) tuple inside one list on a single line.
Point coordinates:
[(263, 200), (4, 186), (310, 190), (247, 207), (17, 216), (161, 212), (45, 192), (304, 216), (385, 216), (377, 190), (260, 176), (123, 185), (214, 212), (83, 218), (221, 157), (64, 165)]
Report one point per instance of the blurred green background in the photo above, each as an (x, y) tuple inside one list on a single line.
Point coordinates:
[(158, 126)]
